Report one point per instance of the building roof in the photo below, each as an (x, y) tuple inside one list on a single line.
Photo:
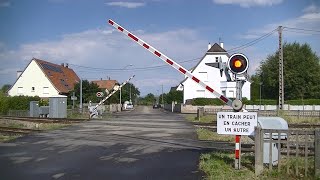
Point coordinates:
[(106, 84), (62, 77), (173, 88), (216, 48)]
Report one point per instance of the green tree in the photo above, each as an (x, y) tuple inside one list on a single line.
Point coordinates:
[(174, 96), (149, 99), (89, 91), (125, 93), (5, 88), (301, 73)]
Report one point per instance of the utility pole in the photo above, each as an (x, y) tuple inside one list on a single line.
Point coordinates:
[(162, 97), (80, 95), (281, 83)]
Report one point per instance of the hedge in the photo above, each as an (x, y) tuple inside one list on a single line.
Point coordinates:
[(206, 101), (15, 103), (218, 102)]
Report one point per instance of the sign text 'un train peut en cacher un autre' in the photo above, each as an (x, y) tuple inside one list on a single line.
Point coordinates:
[(236, 123)]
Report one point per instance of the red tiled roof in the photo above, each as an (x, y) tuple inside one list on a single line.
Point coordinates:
[(105, 84), (63, 78)]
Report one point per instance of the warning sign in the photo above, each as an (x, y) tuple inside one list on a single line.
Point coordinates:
[(236, 123)]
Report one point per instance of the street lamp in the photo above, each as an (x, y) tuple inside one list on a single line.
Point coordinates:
[(260, 93), (120, 87)]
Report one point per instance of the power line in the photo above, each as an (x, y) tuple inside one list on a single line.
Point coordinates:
[(252, 42), (136, 69), (301, 32), (302, 29)]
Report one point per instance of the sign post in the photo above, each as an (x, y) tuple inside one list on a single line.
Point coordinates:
[(99, 94), (73, 98), (237, 123)]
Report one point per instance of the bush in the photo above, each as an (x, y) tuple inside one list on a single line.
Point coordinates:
[(207, 101), (15, 103), (275, 102), (303, 102), (263, 102)]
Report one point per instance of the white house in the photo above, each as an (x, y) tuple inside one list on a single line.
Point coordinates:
[(212, 77), (44, 79)]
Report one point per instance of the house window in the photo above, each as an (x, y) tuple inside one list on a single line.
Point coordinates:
[(217, 59), (200, 93), (32, 89), (20, 90), (224, 92), (203, 76), (45, 90), (231, 93)]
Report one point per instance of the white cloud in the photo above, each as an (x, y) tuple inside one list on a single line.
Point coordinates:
[(126, 4), (109, 49), (310, 19), (311, 9), (249, 3), (5, 4)]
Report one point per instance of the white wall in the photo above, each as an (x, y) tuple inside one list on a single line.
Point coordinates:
[(214, 79), (33, 77)]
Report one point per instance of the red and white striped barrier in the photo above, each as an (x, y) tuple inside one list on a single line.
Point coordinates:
[(94, 110), (237, 152), (170, 62)]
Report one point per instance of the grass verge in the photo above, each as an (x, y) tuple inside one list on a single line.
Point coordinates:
[(205, 134), (44, 127), (204, 119), (6, 138), (220, 165)]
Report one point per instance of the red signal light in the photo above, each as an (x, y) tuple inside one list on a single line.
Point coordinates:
[(238, 63)]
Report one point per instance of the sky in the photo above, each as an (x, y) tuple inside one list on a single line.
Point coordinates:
[(76, 32)]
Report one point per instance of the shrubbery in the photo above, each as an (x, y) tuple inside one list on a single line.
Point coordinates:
[(206, 101), (218, 102), (15, 103)]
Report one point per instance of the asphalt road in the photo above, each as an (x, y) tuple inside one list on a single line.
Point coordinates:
[(142, 144)]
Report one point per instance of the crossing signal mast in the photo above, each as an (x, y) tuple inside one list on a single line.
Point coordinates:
[(94, 109)]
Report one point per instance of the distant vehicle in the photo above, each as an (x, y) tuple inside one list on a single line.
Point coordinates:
[(156, 106), (129, 106)]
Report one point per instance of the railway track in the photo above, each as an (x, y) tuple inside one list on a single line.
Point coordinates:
[(43, 120), (213, 125), (20, 131)]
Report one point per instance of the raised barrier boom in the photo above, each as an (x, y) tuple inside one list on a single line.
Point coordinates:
[(172, 63)]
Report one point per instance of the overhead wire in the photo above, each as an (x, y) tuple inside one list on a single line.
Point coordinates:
[(248, 44), (302, 29), (131, 69)]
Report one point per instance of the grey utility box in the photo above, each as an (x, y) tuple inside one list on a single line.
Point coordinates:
[(58, 106), (43, 111), (34, 108), (272, 123)]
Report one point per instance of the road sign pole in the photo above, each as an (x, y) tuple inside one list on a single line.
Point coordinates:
[(239, 84), (73, 100), (238, 152)]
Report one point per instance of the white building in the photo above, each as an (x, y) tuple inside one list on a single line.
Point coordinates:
[(43, 79), (212, 77)]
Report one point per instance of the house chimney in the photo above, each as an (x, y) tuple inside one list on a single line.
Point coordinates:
[(209, 46), (67, 65), (221, 44), (18, 74), (62, 64)]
